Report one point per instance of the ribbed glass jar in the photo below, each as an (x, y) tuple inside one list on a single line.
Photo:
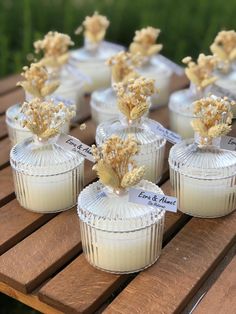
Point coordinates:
[(203, 178), (117, 235), (152, 145), (161, 73), (47, 178), (16, 132), (91, 62), (104, 105), (181, 112)]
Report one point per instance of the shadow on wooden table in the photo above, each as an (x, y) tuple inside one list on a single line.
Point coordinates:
[(11, 306)]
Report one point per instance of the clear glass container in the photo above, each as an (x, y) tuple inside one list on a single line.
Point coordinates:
[(104, 105), (16, 132), (152, 145), (203, 178), (181, 112), (91, 62), (47, 177), (117, 235), (155, 69), (226, 86)]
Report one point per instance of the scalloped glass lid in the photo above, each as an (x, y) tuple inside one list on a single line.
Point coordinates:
[(208, 162), (114, 212)]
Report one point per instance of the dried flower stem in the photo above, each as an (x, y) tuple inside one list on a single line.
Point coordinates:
[(133, 97), (44, 118), (213, 117), (115, 166), (201, 72)]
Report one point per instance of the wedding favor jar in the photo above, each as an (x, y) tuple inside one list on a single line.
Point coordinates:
[(47, 177), (151, 66), (151, 144), (224, 48), (91, 58), (202, 174), (181, 102), (117, 235)]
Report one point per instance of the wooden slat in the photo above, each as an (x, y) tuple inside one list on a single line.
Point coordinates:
[(16, 223), (8, 100), (6, 186), (221, 298), (185, 263), (3, 127), (8, 84), (91, 286), (4, 152)]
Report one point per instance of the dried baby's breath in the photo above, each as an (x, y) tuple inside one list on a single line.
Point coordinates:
[(123, 66), (213, 116), (44, 118), (55, 47), (133, 97), (115, 166), (95, 27), (144, 42), (37, 81), (224, 47), (201, 72)]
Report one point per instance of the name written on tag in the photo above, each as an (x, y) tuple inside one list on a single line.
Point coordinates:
[(170, 136), (73, 144), (228, 142), (161, 201)]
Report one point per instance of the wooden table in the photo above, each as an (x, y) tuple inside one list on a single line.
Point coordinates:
[(42, 264)]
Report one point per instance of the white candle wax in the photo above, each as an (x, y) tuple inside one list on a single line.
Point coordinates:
[(205, 198), (181, 124)]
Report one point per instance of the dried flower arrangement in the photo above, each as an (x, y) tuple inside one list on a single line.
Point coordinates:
[(114, 164), (55, 47), (224, 48), (213, 117), (123, 66), (201, 72), (44, 118), (95, 27), (133, 97), (144, 42), (37, 81)]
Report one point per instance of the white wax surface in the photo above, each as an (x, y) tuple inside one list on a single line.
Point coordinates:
[(181, 124)]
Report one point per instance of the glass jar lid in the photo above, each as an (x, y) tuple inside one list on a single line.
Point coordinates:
[(14, 116), (155, 68), (114, 213), (36, 158), (207, 162), (141, 130), (104, 99), (181, 102)]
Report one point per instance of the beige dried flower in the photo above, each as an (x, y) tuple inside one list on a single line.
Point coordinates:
[(224, 48), (37, 81), (144, 42), (55, 47), (95, 27), (133, 97), (123, 66), (201, 72), (213, 116), (45, 118), (115, 166)]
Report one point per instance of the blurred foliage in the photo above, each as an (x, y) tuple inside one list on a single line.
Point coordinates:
[(188, 27)]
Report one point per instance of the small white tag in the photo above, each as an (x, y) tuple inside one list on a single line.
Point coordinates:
[(228, 142), (161, 201), (170, 136), (73, 144)]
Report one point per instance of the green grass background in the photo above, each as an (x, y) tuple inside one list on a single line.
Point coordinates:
[(188, 26)]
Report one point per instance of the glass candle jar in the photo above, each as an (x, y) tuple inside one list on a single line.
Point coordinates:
[(161, 73), (16, 132), (203, 178), (117, 235), (47, 177), (91, 62), (104, 105), (152, 145)]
